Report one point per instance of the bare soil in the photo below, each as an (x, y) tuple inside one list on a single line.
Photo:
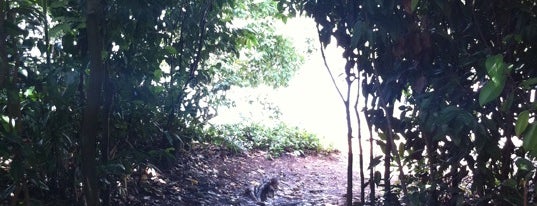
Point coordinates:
[(215, 177)]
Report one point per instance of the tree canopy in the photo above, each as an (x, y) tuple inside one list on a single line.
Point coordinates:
[(453, 82), (90, 90)]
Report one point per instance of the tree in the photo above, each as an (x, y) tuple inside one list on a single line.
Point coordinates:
[(91, 92), (88, 142), (455, 71)]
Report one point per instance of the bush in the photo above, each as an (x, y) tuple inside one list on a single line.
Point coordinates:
[(276, 139)]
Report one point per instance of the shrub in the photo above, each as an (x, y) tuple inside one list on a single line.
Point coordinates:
[(276, 139)]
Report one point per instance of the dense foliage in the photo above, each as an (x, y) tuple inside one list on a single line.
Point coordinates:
[(276, 139), (90, 90), (453, 82)]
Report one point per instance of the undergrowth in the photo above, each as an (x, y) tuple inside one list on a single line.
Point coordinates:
[(276, 140)]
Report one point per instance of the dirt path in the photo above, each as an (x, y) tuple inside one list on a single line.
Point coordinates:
[(212, 177), (310, 180)]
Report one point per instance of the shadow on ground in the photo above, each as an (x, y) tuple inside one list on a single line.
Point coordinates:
[(214, 177)]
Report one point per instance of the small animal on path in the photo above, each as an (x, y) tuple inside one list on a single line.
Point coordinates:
[(263, 191)]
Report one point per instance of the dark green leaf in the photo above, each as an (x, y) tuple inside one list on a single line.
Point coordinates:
[(58, 30), (171, 50), (530, 140), (510, 183), (490, 92), (39, 184), (456, 140), (401, 149), (157, 75), (382, 136), (508, 103), (528, 83), (374, 162), (524, 164), (378, 177), (382, 146), (495, 67), (414, 5), (522, 122), (356, 34)]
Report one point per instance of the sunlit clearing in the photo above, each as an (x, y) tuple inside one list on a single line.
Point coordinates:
[(310, 101)]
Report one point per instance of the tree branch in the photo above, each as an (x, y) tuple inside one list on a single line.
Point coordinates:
[(328, 68), (194, 66)]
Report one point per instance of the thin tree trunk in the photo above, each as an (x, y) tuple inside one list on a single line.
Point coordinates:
[(197, 58), (372, 169), (389, 115), (360, 149), (4, 66), (171, 93), (349, 80), (105, 142), (431, 198), (13, 100), (350, 155), (9, 80), (389, 196), (57, 178), (387, 172), (345, 101), (46, 28), (372, 197), (91, 113), (15, 117)]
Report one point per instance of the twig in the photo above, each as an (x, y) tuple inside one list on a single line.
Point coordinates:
[(194, 65), (328, 68)]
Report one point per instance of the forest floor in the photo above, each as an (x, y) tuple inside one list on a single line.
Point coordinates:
[(216, 177)]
